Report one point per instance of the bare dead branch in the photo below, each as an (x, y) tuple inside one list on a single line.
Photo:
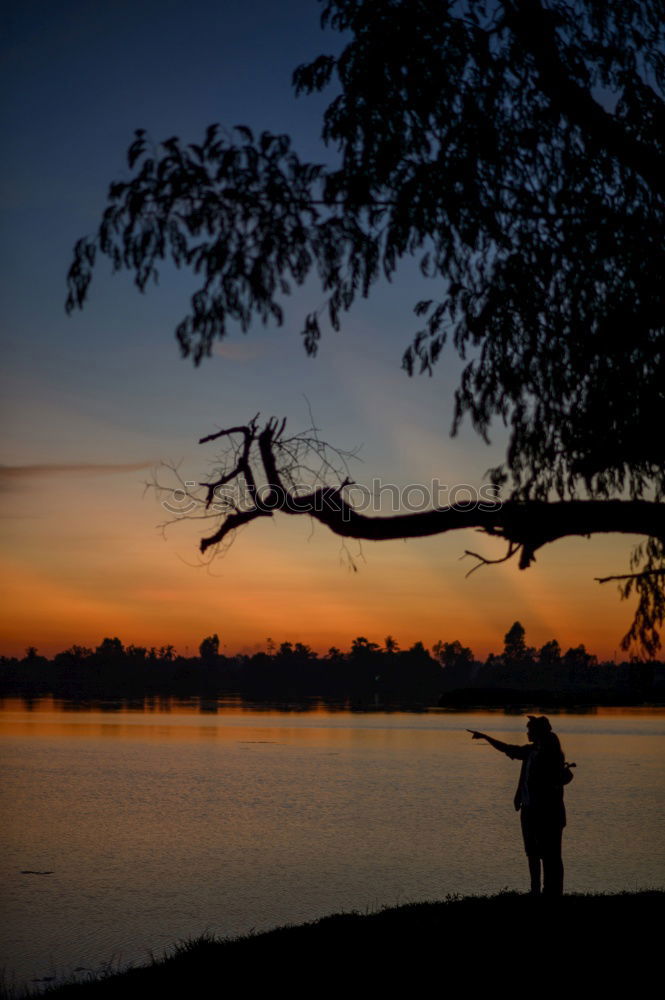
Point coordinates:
[(242, 465), (524, 524), (644, 575), (232, 523), (241, 429), (483, 561), (295, 473)]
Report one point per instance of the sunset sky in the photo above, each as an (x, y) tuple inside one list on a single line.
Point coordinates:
[(94, 402)]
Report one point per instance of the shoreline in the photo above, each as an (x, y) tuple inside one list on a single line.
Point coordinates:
[(475, 939), (502, 700)]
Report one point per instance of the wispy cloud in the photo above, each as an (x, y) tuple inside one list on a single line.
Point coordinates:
[(237, 352), (13, 475)]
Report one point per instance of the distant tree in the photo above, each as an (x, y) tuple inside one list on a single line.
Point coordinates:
[(110, 648), (303, 652), (452, 654), (516, 149), (167, 653), (136, 652), (390, 645), (209, 647), (579, 658), (31, 653), (362, 647), (334, 654), (285, 649), (79, 652), (549, 655), (514, 648), (419, 651)]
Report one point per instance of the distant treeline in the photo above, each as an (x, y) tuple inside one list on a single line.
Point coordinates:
[(369, 673)]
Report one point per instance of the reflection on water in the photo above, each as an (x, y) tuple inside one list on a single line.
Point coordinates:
[(161, 821)]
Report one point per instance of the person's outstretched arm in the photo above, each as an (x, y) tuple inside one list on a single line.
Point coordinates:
[(511, 750)]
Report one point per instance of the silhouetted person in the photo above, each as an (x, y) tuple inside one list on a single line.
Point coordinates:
[(539, 798)]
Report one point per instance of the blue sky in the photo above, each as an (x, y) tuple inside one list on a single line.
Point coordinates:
[(106, 387)]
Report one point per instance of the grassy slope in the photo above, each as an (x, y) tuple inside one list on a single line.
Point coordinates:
[(578, 942)]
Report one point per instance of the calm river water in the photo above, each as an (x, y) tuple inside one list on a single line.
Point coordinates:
[(161, 823)]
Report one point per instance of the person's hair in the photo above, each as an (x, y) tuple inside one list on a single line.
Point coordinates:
[(541, 727), (539, 724)]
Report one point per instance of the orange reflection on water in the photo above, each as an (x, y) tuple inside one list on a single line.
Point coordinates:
[(231, 721), (191, 722)]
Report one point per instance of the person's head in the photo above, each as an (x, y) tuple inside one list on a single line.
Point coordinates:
[(539, 732), (538, 728)]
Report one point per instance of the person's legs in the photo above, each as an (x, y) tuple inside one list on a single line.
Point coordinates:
[(534, 872), (553, 865), (531, 848)]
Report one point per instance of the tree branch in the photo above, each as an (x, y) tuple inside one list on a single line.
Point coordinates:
[(526, 525), (242, 465), (483, 561), (534, 27), (644, 575), (291, 482), (231, 523)]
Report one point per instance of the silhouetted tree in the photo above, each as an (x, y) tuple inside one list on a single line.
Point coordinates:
[(411, 675), (579, 658), (390, 645), (517, 148), (549, 655), (452, 654), (362, 647), (136, 652), (209, 648), (110, 649), (514, 645), (80, 652)]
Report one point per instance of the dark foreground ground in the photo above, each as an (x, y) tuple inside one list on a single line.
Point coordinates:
[(505, 942)]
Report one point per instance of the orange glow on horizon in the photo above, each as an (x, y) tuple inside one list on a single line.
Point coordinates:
[(94, 565), (412, 592)]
